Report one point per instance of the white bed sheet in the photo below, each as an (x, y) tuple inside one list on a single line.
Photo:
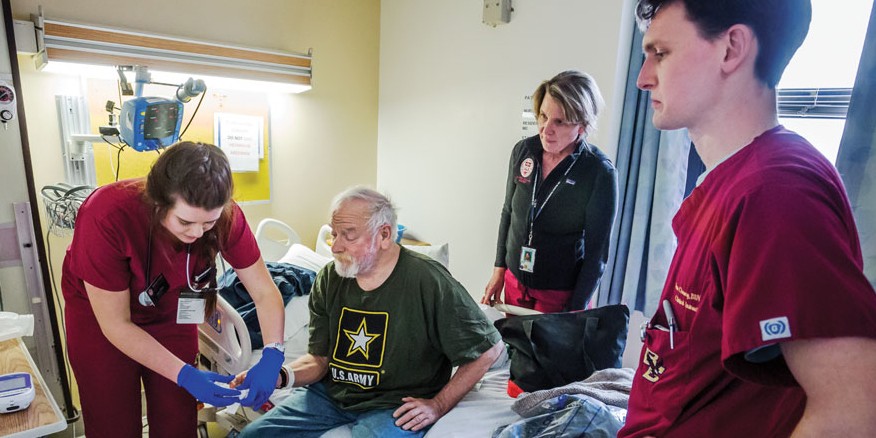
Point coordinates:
[(296, 333), (481, 411)]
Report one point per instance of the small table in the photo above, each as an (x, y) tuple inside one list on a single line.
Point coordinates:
[(43, 416)]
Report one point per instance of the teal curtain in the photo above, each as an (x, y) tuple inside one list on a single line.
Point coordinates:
[(656, 170), (652, 172), (856, 160)]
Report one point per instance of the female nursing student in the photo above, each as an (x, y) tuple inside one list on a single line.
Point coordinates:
[(139, 276), (560, 203)]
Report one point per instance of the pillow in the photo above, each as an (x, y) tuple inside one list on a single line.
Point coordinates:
[(300, 255), (439, 253)]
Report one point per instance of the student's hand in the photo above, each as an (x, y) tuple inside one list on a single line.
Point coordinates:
[(417, 413), (202, 385), (261, 380), (493, 291)]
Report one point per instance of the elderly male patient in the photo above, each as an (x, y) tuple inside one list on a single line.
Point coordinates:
[(386, 327)]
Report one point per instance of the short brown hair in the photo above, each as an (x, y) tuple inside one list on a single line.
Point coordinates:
[(780, 26)]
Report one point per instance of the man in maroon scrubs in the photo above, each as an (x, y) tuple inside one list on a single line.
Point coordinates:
[(767, 322)]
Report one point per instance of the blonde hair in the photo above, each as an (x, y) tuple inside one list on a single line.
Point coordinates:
[(577, 93)]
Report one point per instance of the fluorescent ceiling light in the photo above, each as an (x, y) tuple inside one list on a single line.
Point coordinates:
[(215, 63), (213, 82)]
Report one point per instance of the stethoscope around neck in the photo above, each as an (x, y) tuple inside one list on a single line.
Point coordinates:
[(146, 300)]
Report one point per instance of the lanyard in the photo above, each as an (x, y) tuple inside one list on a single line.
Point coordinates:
[(148, 272), (534, 209)]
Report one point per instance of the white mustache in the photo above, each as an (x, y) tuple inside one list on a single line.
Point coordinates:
[(343, 258)]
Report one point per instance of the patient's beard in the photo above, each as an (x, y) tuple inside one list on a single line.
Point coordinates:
[(349, 267)]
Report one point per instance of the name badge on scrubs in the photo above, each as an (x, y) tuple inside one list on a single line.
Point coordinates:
[(527, 259), (191, 308)]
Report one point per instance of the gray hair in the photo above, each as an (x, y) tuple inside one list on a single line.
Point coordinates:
[(380, 208), (577, 93)]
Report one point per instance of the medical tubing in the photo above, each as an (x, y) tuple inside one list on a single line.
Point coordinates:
[(197, 107), (261, 380), (203, 386), (62, 202)]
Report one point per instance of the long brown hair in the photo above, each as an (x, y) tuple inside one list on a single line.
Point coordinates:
[(200, 175)]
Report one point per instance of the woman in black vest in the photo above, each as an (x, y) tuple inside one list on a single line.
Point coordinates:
[(560, 203)]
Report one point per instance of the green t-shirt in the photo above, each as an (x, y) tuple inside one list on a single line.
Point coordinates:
[(401, 339)]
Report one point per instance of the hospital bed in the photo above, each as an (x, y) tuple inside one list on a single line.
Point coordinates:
[(225, 347)]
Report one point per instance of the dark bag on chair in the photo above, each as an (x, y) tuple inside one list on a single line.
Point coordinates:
[(555, 349)]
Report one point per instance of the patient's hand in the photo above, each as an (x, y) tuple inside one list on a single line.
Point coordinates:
[(238, 379), (418, 413)]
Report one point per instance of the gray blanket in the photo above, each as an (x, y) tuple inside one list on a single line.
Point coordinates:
[(610, 386)]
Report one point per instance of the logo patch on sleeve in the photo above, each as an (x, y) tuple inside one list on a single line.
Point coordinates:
[(775, 328)]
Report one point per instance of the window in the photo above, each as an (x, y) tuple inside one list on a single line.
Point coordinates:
[(815, 89)]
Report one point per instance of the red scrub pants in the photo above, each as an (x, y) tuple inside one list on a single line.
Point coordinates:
[(109, 381), (543, 300)]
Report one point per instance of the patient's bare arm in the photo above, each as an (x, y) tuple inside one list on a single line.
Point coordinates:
[(417, 413), (307, 369)]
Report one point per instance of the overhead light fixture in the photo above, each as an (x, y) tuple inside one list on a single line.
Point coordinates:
[(69, 43), (106, 72)]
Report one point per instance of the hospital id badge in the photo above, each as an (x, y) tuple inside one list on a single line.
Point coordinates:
[(527, 259), (190, 308)]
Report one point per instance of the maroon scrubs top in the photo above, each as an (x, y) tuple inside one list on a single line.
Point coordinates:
[(768, 252)]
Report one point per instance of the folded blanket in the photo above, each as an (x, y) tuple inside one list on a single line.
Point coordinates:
[(610, 386)]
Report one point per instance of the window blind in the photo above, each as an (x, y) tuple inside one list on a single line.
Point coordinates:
[(824, 103)]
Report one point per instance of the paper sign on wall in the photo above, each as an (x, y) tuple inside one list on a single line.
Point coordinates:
[(241, 138), (530, 125)]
